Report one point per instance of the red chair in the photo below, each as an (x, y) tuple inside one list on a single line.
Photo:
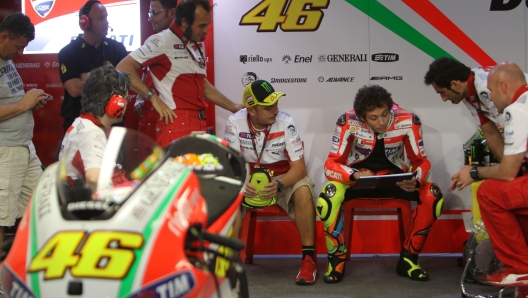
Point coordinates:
[(249, 226), (400, 207), (383, 206)]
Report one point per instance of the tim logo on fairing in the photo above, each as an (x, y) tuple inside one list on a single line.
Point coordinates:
[(42, 7)]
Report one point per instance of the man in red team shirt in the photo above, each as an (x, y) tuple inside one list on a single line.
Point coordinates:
[(176, 60), (161, 14)]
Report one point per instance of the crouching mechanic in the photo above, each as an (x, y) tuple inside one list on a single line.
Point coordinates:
[(373, 139), (103, 103), (504, 192), (269, 139)]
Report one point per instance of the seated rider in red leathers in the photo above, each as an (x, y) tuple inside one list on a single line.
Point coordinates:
[(373, 139)]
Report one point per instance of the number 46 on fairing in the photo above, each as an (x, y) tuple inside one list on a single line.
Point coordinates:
[(300, 15)]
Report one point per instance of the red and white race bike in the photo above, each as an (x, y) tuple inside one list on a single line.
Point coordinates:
[(153, 227)]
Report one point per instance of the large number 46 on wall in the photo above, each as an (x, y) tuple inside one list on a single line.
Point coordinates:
[(300, 15)]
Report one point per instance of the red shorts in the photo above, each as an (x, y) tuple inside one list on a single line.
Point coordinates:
[(186, 122)]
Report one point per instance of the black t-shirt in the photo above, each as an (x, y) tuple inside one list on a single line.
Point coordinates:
[(79, 57), (377, 161)]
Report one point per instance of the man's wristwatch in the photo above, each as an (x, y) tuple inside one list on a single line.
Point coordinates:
[(280, 185), (151, 92), (474, 173)]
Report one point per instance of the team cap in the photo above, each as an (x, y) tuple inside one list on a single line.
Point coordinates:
[(261, 93)]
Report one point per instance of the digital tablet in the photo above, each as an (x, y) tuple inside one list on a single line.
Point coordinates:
[(383, 181)]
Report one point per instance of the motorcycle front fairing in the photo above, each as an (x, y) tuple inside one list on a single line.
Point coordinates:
[(135, 247)]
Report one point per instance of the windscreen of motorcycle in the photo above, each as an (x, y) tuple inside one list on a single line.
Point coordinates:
[(107, 170)]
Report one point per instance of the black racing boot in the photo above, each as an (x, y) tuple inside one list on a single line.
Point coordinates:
[(408, 267), (335, 269)]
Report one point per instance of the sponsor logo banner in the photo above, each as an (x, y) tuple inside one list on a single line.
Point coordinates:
[(297, 59), (248, 78), (336, 79), (387, 78), (54, 64), (42, 7), (28, 65), (288, 80), (343, 58), (385, 57), (254, 59)]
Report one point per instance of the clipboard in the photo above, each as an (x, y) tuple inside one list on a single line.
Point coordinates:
[(382, 181)]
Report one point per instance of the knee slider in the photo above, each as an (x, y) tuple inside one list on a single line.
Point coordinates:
[(431, 194), (331, 197)]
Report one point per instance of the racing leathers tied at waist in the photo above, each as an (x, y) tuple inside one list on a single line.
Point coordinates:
[(355, 146)]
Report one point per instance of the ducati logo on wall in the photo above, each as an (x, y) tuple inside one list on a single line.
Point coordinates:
[(42, 7)]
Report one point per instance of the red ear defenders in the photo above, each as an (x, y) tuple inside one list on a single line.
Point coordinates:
[(116, 104), (84, 20)]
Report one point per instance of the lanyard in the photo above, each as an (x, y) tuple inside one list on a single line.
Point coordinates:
[(186, 42), (202, 63), (253, 133)]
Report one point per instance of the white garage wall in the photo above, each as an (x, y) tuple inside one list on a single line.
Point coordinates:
[(345, 29)]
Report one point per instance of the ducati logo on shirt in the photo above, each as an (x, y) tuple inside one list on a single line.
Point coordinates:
[(179, 47), (334, 175), (42, 7)]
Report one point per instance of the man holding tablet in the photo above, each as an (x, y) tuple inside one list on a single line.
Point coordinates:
[(371, 140)]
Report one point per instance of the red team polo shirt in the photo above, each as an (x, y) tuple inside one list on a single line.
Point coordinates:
[(177, 66)]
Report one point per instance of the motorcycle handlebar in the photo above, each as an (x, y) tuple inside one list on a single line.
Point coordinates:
[(220, 240)]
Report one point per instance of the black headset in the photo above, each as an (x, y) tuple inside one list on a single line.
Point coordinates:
[(116, 103)]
